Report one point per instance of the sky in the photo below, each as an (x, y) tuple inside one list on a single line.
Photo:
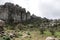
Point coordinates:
[(43, 8)]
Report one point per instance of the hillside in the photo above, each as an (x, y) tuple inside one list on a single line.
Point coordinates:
[(17, 24)]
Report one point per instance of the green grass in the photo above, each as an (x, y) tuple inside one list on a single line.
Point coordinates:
[(47, 33), (33, 34), (1, 38), (57, 34)]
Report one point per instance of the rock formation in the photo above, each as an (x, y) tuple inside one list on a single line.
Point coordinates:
[(2, 23), (13, 13)]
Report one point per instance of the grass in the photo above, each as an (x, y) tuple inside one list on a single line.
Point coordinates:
[(47, 33), (35, 35), (57, 34), (32, 34)]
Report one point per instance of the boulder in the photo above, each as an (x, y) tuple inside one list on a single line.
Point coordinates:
[(50, 38), (2, 23)]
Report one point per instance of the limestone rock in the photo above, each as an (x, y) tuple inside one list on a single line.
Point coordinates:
[(13, 13)]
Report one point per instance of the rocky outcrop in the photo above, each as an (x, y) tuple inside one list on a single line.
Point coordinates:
[(2, 23), (13, 13)]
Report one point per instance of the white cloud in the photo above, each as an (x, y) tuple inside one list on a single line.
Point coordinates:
[(50, 8), (31, 5), (43, 8), (3, 1)]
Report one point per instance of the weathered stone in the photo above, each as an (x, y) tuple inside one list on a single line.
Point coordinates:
[(9, 11), (50, 38), (28, 15), (2, 23), (4, 13)]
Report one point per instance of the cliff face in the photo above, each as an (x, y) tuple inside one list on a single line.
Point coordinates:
[(11, 12)]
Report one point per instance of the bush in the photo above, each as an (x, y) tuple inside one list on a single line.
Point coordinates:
[(20, 34), (6, 38), (28, 33)]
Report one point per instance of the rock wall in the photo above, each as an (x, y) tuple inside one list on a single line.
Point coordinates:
[(9, 11), (3, 13)]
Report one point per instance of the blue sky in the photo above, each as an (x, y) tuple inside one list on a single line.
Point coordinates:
[(43, 8)]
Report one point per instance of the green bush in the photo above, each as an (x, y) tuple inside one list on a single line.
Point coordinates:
[(57, 34), (28, 33), (47, 33), (20, 34), (1, 39), (6, 38)]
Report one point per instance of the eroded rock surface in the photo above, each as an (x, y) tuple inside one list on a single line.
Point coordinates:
[(13, 13)]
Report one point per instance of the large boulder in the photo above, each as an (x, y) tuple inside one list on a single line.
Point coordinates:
[(50, 38), (2, 23)]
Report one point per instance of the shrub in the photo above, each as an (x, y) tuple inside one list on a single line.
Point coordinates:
[(20, 34), (6, 38), (28, 33)]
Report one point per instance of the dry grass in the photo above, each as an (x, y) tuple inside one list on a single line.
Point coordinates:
[(34, 35), (30, 35)]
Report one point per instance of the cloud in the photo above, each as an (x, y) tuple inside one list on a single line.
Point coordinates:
[(50, 8), (43, 8), (3, 1), (31, 5)]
